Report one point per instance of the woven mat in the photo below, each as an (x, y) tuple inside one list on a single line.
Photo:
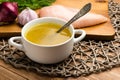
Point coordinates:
[(87, 56)]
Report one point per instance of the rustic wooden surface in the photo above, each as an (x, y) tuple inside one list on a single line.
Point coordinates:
[(8, 72), (101, 31)]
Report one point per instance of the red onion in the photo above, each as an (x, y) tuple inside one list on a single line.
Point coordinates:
[(8, 12)]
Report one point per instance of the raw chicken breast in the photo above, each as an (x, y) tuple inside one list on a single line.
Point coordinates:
[(67, 13)]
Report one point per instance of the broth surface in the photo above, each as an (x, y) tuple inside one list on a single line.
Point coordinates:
[(45, 34)]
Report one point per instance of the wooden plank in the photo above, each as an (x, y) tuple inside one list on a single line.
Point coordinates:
[(8, 75), (103, 31), (8, 69), (28, 75)]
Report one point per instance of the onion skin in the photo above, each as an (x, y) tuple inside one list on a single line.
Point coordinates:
[(8, 12)]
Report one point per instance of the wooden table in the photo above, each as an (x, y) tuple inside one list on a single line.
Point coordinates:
[(8, 72)]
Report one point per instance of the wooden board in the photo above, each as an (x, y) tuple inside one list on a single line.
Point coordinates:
[(103, 31), (10, 30)]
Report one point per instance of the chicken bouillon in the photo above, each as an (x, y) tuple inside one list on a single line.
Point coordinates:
[(45, 34)]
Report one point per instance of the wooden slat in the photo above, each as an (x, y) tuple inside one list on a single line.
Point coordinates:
[(8, 75), (113, 74), (24, 73)]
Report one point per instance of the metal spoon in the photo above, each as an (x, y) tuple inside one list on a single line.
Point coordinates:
[(81, 13)]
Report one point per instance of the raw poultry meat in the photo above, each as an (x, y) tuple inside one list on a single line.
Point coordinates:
[(66, 13)]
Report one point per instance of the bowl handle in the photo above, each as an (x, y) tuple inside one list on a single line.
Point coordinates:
[(12, 42), (82, 36)]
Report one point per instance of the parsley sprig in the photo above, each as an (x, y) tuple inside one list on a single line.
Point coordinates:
[(33, 4)]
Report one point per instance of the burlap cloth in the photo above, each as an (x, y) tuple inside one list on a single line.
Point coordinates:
[(87, 56)]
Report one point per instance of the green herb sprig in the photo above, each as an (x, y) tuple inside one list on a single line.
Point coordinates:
[(33, 4)]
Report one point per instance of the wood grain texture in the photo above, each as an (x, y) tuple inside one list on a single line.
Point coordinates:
[(5, 74), (103, 31), (8, 72)]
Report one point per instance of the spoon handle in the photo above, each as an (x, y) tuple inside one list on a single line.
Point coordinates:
[(82, 12)]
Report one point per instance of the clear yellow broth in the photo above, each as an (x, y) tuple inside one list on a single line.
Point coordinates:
[(45, 34)]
